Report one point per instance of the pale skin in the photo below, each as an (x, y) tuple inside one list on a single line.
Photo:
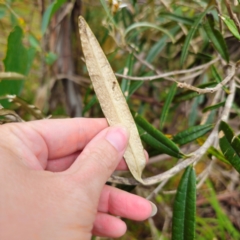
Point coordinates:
[(52, 181)]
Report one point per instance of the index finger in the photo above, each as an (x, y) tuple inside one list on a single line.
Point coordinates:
[(66, 136)]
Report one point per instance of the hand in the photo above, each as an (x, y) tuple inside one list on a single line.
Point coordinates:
[(53, 175)]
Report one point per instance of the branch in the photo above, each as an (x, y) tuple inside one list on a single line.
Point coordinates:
[(210, 90), (11, 76), (164, 75)]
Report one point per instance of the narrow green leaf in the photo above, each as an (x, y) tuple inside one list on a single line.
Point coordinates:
[(231, 26), (168, 146), (167, 104), (16, 60), (218, 78), (184, 208), (90, 104), (192, 134), (2, 12), (148, 25), (50, 58), (190, 36), (135, 85), (160, 45), (217, 39), (49, 12), (213, 151), (106, 8), (125, 84), (212, 107), (177, 18), (230, 145)]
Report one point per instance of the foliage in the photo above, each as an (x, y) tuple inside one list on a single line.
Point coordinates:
[(165, 54)]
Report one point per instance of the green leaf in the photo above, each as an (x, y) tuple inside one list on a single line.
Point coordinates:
[(177, 18), (231, 26), (230, 145), (16, 60), (167, 104), (90, 104), (218, 78), (190, 36), (160, 45), (217, 39), (104, 4), (184, 208), (50, 58), (125, 84), (34, 42), (216, 106), (166, 145), (148, 25), (191, 134), (2, 12), (49, 12), (213, 151), (135, 85)]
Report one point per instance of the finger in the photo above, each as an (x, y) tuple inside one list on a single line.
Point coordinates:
[(99, 159), (124, 204), (106, 225), (62, 164), (66, 136)]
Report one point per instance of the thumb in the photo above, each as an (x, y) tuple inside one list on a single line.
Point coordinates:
[(100, 157)]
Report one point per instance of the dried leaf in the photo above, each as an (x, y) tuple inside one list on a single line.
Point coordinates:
[(111, 99)]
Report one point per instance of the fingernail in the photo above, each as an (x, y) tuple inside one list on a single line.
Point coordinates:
[(154, 209), (118, 136)]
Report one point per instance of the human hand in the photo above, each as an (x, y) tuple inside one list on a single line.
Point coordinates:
[(53, 175)]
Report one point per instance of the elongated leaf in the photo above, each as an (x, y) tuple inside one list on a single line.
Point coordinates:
[(166, 145), (230, 145), (16, 61), (111, 99), (178, 18), (231, 26), (217, 39), (192, 134), (159, 46), (167, 104), (148, 25), (216, 106), (104, 4), (50, 11), (125, 85), (90, 104), (218, 78), (190, 36), (184, 208), (213, 151)]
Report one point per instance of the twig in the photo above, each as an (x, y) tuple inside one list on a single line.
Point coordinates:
[(164, 75), (194, 157), (210, 90), (11, 76), (157, 189)]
